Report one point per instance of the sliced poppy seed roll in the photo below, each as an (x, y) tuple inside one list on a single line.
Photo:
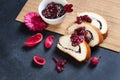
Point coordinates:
[(97, 20), (86, 31)]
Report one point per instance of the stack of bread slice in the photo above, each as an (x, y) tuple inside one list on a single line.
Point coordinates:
[(92, 35)]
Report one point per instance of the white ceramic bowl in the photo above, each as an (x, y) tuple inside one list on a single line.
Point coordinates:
[(42, 6)]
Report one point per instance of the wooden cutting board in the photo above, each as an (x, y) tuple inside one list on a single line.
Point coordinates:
[(109, 9)]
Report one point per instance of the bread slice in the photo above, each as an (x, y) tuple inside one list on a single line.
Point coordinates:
[(96, 34), (81, 52), (98, 21)]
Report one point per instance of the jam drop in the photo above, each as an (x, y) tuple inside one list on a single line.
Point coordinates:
[(53, 10)]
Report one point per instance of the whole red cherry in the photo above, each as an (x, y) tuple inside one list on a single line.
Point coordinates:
[(94, 60)]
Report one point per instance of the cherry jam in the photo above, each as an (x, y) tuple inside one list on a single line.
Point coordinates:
[(75, 39), (84, 18), (53, 10), (79, 34)]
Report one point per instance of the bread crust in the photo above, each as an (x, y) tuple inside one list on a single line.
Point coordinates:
[(93, 27), (105, 33), (101, 35), (98, 31), (88, 51), (87, 56)]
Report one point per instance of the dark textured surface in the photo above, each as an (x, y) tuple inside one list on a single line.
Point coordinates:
[(16, 61)]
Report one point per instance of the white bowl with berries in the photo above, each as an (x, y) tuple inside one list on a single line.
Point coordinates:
[(52, 11)]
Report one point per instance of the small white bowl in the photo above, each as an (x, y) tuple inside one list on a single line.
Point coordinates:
[(42, 6)]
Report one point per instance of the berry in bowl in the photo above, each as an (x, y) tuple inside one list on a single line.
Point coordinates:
[(53, 11)]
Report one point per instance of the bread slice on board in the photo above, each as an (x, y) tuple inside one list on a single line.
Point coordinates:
[(96, 34), (98, 21), (81, 52)]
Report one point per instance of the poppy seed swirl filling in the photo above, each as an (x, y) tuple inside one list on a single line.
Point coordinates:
[(100, 24), (76, 51), (82, 33), (94, 20), (77, 37)]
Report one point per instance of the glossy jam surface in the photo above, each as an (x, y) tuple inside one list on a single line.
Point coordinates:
[(79, 34), (84, 18), (84, 34), (53, 10), (75, 39)]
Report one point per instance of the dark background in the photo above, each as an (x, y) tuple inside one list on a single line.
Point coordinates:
[(16, 61)]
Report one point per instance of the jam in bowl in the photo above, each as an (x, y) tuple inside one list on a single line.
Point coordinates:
[(52, 11)]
